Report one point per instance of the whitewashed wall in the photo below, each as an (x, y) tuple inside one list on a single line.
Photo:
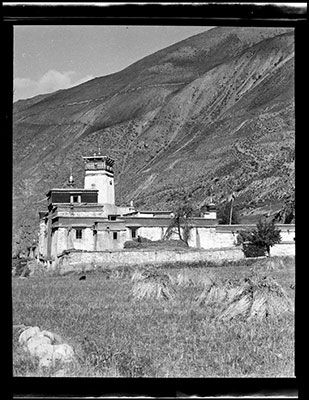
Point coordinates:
[(43, 238), (86, 261), (211, 237), (105, 240)]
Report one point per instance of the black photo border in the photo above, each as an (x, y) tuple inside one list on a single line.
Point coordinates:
[(201, 14)]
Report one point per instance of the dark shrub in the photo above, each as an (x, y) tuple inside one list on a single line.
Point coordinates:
[(130, 244), (136, 243), (258, 241), (251, 250)]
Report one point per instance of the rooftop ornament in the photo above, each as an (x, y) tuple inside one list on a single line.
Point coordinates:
[(71, 179)]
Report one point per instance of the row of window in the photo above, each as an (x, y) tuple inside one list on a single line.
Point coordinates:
[(79, 234)]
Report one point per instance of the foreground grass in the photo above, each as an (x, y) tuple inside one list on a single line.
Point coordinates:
[(115, 335)]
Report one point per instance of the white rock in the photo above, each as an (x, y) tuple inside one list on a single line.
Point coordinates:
[(48, 334), (39, 346), (46, 361), (57, 339), (63, 353), (40, 335), (28, 334)]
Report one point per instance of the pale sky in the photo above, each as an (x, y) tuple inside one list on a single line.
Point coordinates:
[(48, 58)]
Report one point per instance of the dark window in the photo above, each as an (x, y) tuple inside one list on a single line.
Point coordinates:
[(110, 182), (115, 235), (79, 233), (112, 217), (75, 199), (133, 233)]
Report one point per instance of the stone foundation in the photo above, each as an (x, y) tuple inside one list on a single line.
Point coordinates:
[(87, 261)]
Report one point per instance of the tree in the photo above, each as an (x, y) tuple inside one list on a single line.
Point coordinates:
[(181, 223), (266, 235), (224, 214), (263, 237)]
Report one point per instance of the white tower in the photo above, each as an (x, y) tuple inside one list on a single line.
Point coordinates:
[(99, 175)]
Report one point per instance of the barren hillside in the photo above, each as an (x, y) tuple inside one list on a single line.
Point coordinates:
[(217, 105)]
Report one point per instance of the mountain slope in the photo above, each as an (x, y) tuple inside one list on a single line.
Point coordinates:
[(208, 115)]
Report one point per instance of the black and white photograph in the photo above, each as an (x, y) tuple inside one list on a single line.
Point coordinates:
[(153, 205)]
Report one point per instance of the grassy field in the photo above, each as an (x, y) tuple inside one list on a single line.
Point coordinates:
[(115, 334)]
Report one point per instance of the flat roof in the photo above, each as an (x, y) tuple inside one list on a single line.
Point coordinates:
[(99, 157), (154, 212), (79, 205), (71, 190), (133, 225), (147, 212), (165, 221)]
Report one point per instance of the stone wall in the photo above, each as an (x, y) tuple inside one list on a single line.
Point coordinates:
[(85, 261), (151, 232), (105, 240), (62, 240), (54, 241), (207, 237), (85, 243), (215, 236), (42, 248), (221, 236), (211, 238), (283, 249)]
